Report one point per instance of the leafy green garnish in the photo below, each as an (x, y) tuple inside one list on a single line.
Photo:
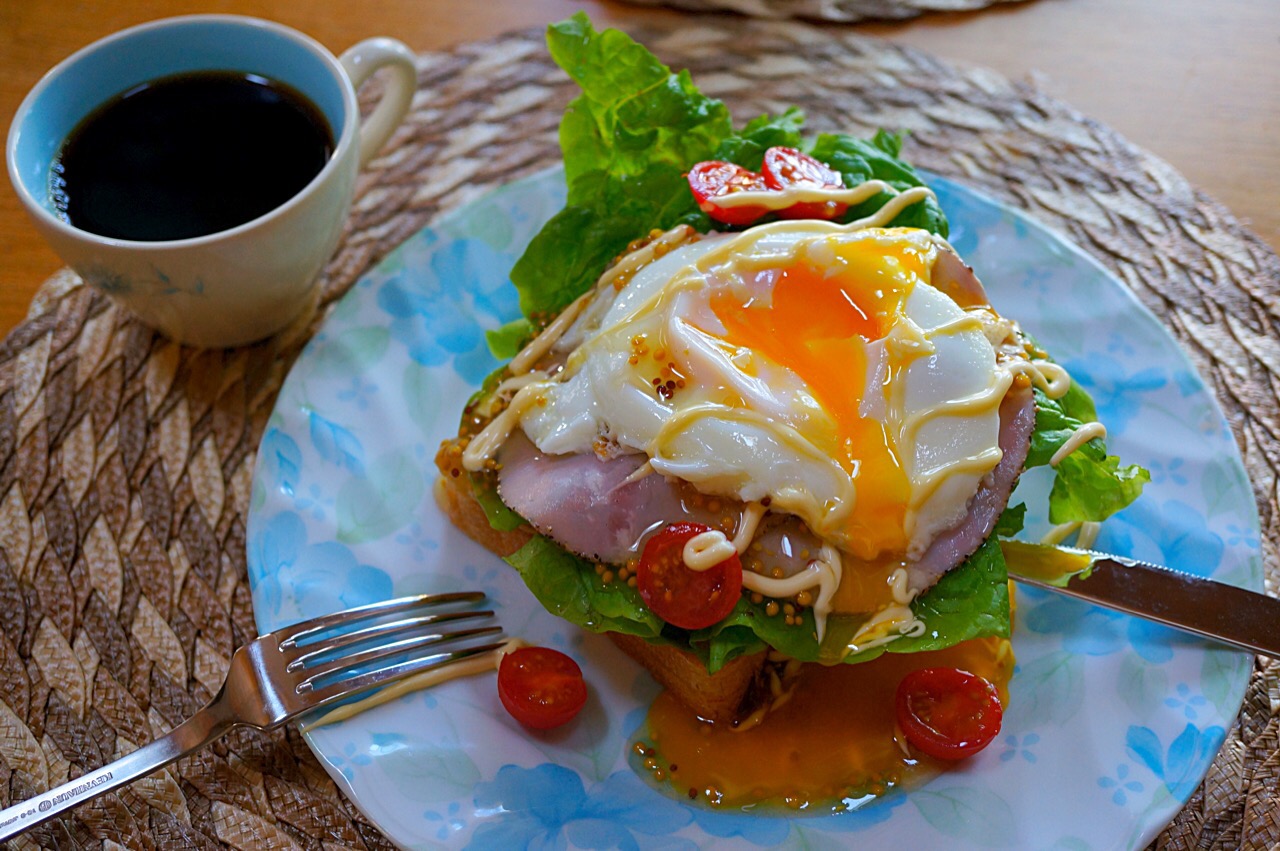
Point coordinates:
[(568, 587), (1011, 521), (747, 147), (507, 341), (628, 141), (500, 517), (1056, 421), (859, 160), (633, 113), (969, 602), (1088, 485)]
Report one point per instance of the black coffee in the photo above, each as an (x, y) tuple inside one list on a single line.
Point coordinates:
[(189, 155)]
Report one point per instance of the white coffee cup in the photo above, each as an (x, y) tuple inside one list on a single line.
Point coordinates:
[(250, 281)]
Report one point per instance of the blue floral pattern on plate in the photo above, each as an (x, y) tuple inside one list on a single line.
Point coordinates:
[(1112, 721)]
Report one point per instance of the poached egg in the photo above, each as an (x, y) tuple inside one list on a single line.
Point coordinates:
[(806, 365)]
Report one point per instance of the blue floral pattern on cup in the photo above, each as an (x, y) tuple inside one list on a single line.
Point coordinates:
[(1112, 720)]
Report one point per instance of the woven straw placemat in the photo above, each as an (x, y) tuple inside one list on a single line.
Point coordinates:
[(127, 459), (827, 10)]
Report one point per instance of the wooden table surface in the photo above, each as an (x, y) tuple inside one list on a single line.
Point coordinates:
[(1193, 81)]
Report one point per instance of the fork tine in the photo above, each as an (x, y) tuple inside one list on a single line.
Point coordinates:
[(292, 635), (386, 651), (310, 653), (383, 676)]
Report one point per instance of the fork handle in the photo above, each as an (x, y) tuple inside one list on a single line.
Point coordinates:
[(208, 724)]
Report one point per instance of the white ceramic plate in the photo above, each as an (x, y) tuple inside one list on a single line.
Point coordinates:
[(1112, 721)]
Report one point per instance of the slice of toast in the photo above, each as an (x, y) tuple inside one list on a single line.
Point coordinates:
[(716, 697)]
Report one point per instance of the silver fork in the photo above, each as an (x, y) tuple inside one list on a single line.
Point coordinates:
[(282, 675)]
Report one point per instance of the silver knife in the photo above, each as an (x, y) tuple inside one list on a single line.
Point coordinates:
[(1235, 616)]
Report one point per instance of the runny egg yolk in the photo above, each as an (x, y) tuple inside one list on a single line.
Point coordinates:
[(818, 324)]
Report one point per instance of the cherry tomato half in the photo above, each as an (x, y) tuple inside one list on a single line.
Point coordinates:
[(714, 179), (541, 688), (784, 167), (948, 713), (680, 595)]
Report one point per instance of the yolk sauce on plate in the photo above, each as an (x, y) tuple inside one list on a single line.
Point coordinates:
[(833, 746)]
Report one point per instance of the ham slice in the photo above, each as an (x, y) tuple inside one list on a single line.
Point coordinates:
[(956, 279), (1017, 421), (592, 506), (588, 505)]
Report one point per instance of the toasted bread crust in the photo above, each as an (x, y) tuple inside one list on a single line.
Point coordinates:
[(716, 697), (453, 495)]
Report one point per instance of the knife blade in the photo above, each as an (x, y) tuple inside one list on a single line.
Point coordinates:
[(1235, 616)]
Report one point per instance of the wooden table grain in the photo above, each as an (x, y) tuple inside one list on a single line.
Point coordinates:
[(1193, 81)]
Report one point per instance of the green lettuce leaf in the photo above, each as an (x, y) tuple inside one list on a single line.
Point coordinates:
[(747, 147), (859, 160), (633, 112), (500, 517), (568, 587), (628, 141), (507, 341), (1056, 420), (1088, 485), (1091, 485), (1011, 521), (971, 601), (566, 257)]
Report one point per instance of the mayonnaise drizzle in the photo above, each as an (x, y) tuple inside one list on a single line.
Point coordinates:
[(536, 348), (893, 207), (646, 254), (969, 321), (1082, 435), (540, 345), (752, 514), (1046, 375), (464, 668), (781, 199), (1086, 533), (822, 572), (975, 403), (977, 464), (713, 546), (486, 444), (644, 470), (892, 622), (518, 382), (704, 551)]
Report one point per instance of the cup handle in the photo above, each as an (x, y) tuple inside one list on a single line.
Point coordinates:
[(360, 62)]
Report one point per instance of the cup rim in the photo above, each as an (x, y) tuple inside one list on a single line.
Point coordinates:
[(346, 137)]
